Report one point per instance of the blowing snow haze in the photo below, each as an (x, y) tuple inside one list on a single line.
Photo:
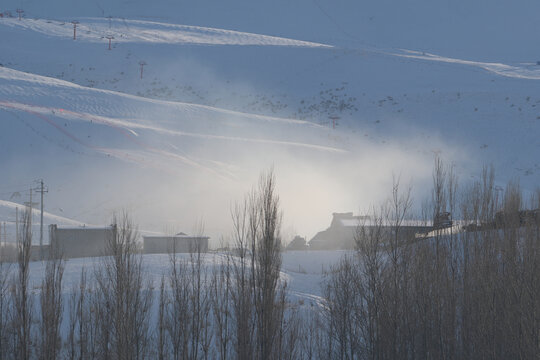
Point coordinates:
[(193, 99)]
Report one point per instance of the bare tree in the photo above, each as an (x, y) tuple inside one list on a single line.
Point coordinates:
[(51, 306), (124, 296), (460, 291), (82, 328), (258, 295), (188, 314), (200, 306), (5, 308), (22, 301), (161, 333), (221, 307), (342, 309), (179, 317), (241, 294), (266, 249)]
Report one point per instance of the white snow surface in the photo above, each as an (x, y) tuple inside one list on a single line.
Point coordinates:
[(336, 95), (303, 271), (98, 30)]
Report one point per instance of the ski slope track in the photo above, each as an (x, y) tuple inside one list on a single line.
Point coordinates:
[(15, 84), (132, 31), (530, 71)]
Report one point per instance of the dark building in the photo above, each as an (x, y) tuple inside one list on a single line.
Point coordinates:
[(344, 229), (81, 241), (298, 243)]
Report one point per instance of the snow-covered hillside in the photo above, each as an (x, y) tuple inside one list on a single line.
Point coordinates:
[(11, 212), (229, 88)]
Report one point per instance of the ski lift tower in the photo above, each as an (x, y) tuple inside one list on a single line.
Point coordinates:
[(20, 12), (74, 22), (142, 63), (334, 120), (110, 37)]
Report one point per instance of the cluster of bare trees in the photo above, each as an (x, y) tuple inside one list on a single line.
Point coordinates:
[(463, 292), (30, 324), (236, 308), (471, 290)]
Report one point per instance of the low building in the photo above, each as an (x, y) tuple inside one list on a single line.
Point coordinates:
[(38, 253), (298, 243), (81, 241), (8, 252), (340, 234), (179, 243), (344, 228)]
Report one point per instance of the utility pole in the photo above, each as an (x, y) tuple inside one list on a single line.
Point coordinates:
[(41, 189), (30, 205), (17, 224)]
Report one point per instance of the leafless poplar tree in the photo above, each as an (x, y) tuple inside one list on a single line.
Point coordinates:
[(221, 307), (22, 301), (5, 314), (469, 290), (179, 317), (123, 297), (241, 291), (51, 307), (342, 310), (188, 315), (161, 342), (258, 297), (265, 221)]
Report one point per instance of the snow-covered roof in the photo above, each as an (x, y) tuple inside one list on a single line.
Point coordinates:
[(369, 221), (84, 227), (180, 235)]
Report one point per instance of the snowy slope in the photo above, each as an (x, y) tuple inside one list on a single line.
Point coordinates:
[(133, 31), (230, 88), (11, 212), (482, 29)]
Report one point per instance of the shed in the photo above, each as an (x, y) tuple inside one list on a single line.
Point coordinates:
[(179, 243), (81, 241)]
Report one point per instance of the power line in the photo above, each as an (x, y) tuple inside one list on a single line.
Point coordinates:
[(19, 185)]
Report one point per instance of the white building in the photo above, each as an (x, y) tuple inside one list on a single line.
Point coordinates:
[(179, 243)]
